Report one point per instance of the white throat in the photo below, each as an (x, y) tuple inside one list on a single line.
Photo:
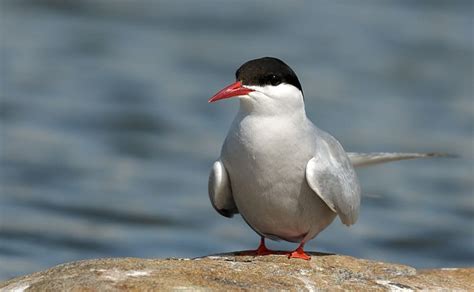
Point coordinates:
[(281, 100)]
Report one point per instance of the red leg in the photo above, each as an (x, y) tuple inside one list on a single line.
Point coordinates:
[(260, 251), (299, 253)]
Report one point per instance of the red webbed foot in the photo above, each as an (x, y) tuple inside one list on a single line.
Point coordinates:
[(299, 253), (262, 250)]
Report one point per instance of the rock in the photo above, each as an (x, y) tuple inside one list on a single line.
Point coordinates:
[(233, 272)]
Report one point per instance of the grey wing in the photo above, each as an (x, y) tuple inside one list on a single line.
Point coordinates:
[(220, 191), (331, 176), (367, 159)]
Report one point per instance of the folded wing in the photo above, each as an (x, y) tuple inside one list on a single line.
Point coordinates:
[(331, 176), (220, 191)]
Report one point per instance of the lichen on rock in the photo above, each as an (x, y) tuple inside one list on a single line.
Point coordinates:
[(232, 272)]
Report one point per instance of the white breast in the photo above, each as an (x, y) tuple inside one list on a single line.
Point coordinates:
[(266, 157)]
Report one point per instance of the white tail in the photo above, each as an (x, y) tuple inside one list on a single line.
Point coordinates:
[(366, 159)]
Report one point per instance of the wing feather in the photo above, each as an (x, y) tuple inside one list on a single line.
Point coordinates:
[(220, 192), (331, 176)]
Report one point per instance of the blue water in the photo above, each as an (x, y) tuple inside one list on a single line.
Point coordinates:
[(107, 137)]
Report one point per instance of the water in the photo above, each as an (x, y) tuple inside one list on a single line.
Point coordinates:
[(107, 138)]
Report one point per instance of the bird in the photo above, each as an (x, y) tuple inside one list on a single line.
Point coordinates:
[(287, 178)]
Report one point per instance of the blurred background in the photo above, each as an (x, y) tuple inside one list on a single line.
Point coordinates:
[(107, 138)]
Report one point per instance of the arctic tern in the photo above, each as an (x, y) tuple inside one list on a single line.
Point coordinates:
[(287, 178)]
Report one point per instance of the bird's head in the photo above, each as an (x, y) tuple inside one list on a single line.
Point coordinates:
[(266, 86)]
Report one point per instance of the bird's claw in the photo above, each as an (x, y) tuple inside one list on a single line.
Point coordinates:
[(299, 254)]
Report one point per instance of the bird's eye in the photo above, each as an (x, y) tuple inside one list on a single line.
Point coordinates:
[(274, 80)]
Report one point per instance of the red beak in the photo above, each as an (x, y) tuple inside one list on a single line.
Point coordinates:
[(235, 89)]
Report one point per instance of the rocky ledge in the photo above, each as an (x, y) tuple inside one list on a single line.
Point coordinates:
[(233, 272)]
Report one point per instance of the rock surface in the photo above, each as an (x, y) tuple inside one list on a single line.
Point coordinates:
[(233, 272)]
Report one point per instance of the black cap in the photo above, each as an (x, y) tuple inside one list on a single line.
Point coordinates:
[(267, 71)]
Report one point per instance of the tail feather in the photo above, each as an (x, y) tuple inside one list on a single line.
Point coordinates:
[(367, 159)]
